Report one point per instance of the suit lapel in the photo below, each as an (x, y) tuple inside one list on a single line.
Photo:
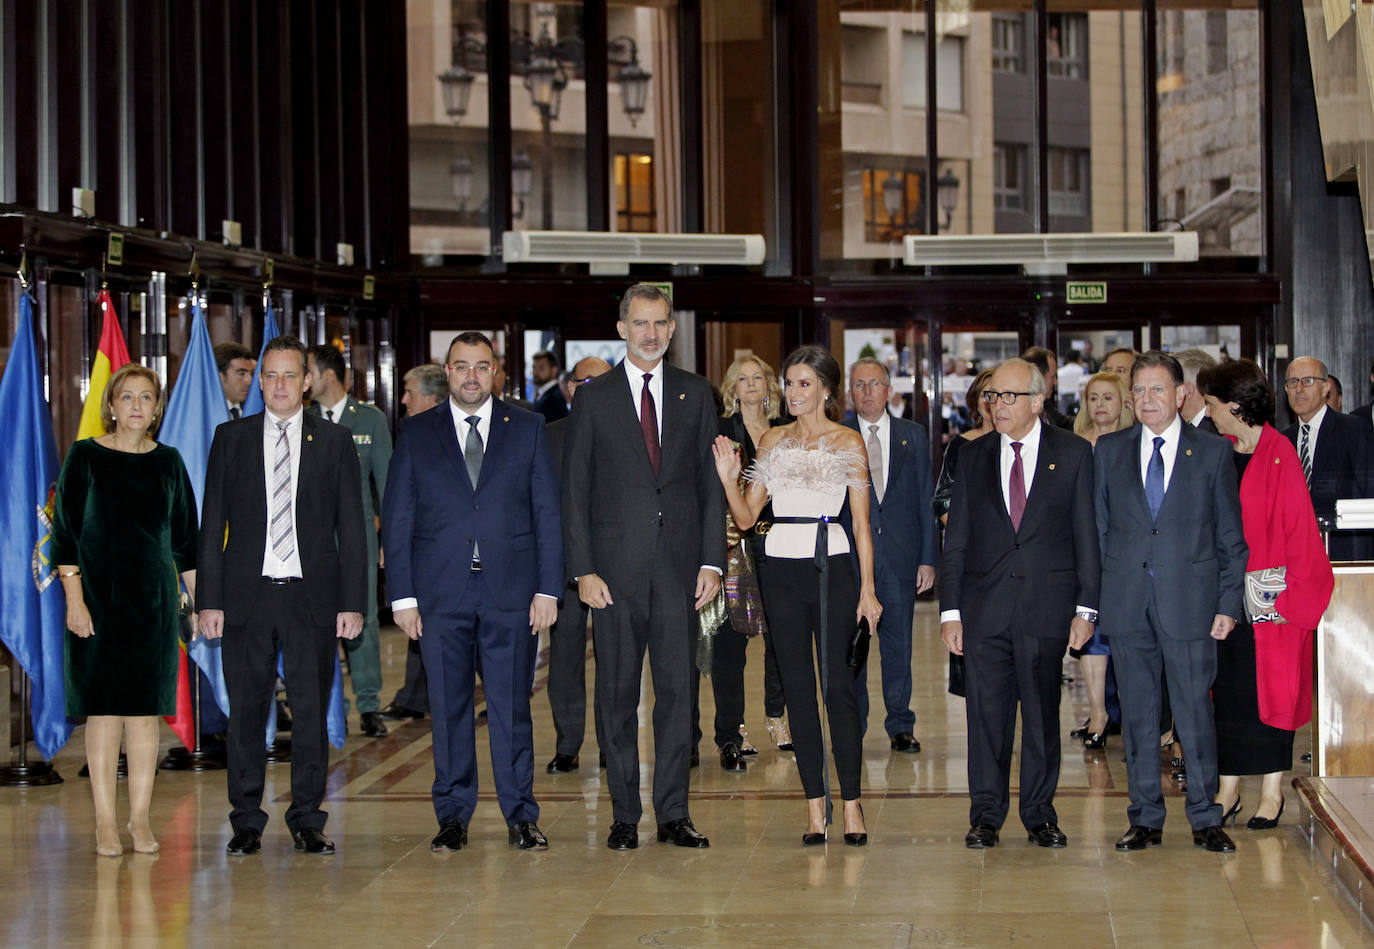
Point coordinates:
[(897, 448), (626, 414), (498, 437), (1324, 458), (1137, 479), (440, 418), (992, 486), (1046, 467), (1183, 466), (670, 441)]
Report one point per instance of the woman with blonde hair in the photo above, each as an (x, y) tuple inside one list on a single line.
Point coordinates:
[(124, 535)]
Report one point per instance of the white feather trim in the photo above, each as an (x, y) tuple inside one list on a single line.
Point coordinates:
[(789, 465)]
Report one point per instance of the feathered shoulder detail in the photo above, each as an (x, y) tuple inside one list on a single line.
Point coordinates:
[(789, 465)]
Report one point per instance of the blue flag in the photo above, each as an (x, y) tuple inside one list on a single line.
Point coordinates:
[(195, 408), (253, 402), (334, 719), (33, 621)]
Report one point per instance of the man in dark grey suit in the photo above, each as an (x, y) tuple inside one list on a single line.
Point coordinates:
[(1194, 410), (644, 532), (1173, 557)]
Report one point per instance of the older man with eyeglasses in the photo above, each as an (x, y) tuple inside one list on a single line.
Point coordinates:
[(1335, 451)]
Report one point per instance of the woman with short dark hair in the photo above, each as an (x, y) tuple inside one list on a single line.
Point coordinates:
[(1263, 689)]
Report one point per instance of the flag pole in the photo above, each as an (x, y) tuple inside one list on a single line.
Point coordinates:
[(21, 773), (195, 759)]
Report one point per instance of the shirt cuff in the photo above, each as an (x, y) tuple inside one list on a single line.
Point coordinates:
[(548, 596), (950, 616), (405, 603), (707, 566), (1080, 608)]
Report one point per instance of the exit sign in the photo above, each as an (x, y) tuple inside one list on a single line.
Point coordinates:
[(1086, 291)]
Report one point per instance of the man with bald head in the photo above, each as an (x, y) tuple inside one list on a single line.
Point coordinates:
[(1334, 450), (568, 638)]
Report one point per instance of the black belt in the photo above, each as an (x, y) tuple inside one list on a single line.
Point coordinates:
[(822, 562), (279, 581)]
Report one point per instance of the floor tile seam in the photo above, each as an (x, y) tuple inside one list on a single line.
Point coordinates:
[(418, 746)]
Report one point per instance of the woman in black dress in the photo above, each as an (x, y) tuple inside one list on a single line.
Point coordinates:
[(124, 532)]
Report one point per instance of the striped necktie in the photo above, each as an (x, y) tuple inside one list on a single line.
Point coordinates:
[(280, 524), (1305, 454)]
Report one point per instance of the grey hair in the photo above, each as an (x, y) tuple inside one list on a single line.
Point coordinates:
[(1194, 361), (644, 291), (871, 361), (430, 380)]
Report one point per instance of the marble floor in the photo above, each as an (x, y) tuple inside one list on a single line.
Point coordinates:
[(914, 885)]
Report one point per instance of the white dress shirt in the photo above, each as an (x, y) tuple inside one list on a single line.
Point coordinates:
[(540, 390), (1196, 420), (884, 424), (336, 412), (272, 565), (1314, 425), (636, 377), (1169, 450)]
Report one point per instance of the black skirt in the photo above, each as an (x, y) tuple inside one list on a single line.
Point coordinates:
[(1245, 745)]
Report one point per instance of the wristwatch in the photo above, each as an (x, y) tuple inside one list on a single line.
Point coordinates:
[(1089, 615)]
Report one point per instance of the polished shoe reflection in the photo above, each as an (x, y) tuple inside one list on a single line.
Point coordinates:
[(914, 884)]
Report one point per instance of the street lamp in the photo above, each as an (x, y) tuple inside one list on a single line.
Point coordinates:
[(521, 175), (460, 179), (633, 78), (455, 83), (947, 195)]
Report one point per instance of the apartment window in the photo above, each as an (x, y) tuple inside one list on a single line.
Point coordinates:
[(1216, 28), (1068, 168), (634, 192), (879, 224), (949, 72), (1066, 49), (1220, 186), (1008, 178), (1007, 35)]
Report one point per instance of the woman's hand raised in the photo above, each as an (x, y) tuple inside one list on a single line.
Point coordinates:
[(727, 460)]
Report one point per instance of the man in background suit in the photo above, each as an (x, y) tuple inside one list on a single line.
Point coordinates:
[(372, 439), (425, 387), (1366, 411), (905, 544), (235, 363), (1173, 557), (1194, 410), (644, 528), (567, 684), (474, 570), (1019, 583), (1047, 363), (1335, 451), (548, 395), (280, 568)]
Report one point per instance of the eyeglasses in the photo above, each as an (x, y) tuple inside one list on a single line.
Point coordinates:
[(872, 385), (463, 368), (1306, 382), (1008, 398)]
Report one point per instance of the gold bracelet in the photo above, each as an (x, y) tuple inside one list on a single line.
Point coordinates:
[(69, 573)]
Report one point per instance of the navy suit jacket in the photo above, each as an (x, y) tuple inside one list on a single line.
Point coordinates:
[(551, 404), (1195, 547), (903, 525), (432, 516)]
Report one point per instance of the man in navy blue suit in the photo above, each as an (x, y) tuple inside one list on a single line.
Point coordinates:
[(904, 539), (472, 533)]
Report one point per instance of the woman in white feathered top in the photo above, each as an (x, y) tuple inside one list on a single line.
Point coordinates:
[(809, 468)]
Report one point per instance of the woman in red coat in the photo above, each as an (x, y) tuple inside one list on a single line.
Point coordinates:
[(1263, 690)]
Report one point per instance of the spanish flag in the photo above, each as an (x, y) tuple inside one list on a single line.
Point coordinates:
[(111, 354)]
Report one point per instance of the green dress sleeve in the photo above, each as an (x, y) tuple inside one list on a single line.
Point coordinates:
[(183, 517), (70, 506)]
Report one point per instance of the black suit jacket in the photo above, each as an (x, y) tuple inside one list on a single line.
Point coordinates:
[(1195, 547), (614, 507), (1029, 579), (1364, 412), (1343, 467), (551, 404), (329, 521)]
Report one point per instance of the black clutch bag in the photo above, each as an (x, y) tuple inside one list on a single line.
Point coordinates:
[(857, 653), (184, 610)]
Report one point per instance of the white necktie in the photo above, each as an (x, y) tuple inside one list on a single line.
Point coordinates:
[(280, 525)]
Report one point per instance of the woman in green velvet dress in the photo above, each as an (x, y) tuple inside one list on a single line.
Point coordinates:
[(124, 527)]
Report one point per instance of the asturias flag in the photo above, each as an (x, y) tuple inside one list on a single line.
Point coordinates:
[(110, 355), (32, 608)]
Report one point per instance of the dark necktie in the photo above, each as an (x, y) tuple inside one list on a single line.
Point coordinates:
[(1305, 454), (472, 450), (329, 415), (235, 411), (648, 421), (1016, 488), (1154, 479)]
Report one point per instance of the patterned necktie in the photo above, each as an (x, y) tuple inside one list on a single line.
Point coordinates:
[(648, 421), (235, 412), (1305, 454), (875, 462), (1016, 488), (472, 450), (1154, 479), (280, 525)]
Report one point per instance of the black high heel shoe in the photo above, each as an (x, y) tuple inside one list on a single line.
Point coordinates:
[(1081, 731), (1230, 816), (813, 840), (857, 840), (1261, 823), (1095, 741)]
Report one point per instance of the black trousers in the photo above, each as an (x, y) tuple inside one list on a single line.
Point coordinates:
[(414, 693), (1001, 669), (659, 618), (791, 598), (282, 621), (567, 683)]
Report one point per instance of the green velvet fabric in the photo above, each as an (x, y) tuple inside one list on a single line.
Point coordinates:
[(129, 522)]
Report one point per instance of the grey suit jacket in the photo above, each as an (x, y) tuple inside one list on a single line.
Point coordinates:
[(1195, 549), (615, 509)]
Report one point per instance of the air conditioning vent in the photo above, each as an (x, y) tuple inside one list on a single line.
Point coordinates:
[(1035, 251), (587, 247)]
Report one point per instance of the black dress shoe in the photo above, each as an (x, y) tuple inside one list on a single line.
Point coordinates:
[(1081, 731), (813, 840), (399, 713), (681, 833), (1048, 834), (245, 842), (1213, 839), (312, 840), (905, 742), (1264, 823), (981, 837), (452, 837), (1139, 837), (562, 764), (526, 835), (623, 836), (373, 726), (696, 758), (731, 759)]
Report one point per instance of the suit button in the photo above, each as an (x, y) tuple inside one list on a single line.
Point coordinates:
[(878, 531), (1016, 546), (1145, 566), (1154, 530)]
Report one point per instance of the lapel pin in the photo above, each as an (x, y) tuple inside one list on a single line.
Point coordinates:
[(505, 418), (1051, 466), (1188, 451), (904, 442), (1276, 461), (310, 438), (682, 395)]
